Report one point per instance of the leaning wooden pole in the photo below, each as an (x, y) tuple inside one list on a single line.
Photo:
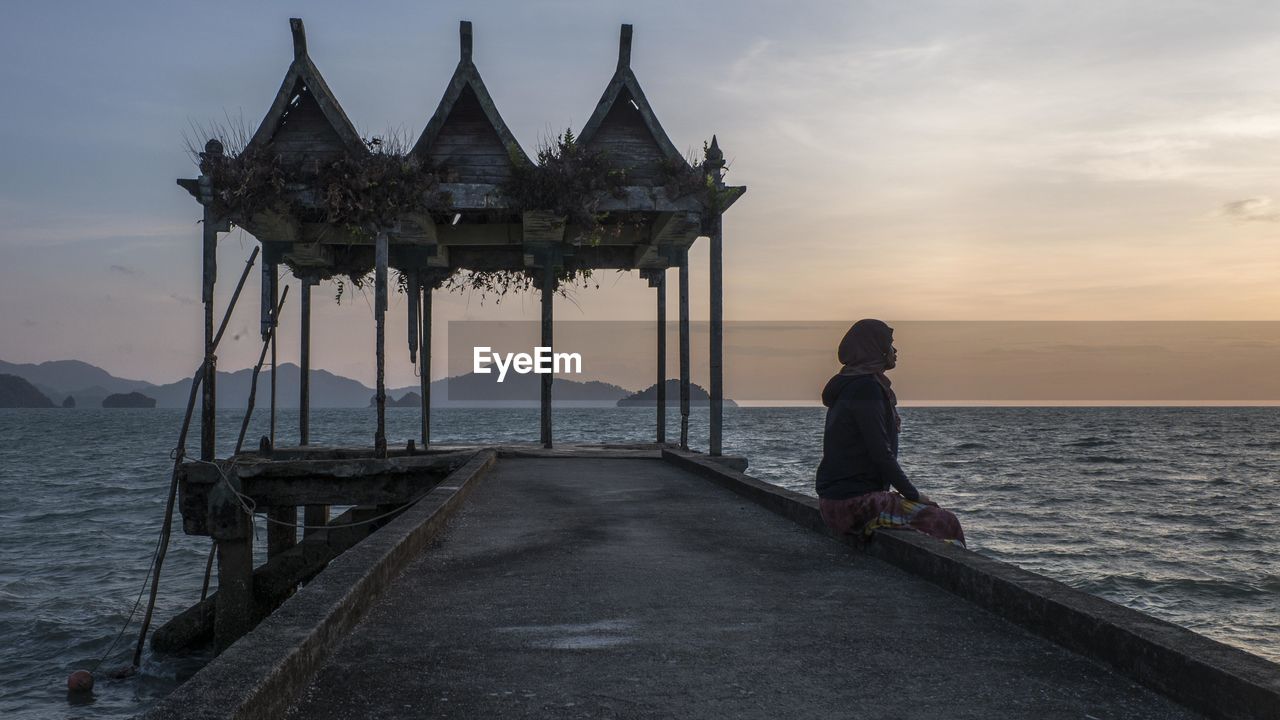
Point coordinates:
[(684, 349), (253, 379), (548, 295), (179, 454), (381, 250)]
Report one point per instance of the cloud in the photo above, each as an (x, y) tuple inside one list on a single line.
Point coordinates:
[(29, 323), (1254, 209), (123, 270)]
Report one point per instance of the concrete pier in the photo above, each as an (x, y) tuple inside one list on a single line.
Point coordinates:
[(637, 582), (630, 588)]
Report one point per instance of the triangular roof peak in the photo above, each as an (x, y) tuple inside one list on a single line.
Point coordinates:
[(306, 97), (624, 104), (467, 132)]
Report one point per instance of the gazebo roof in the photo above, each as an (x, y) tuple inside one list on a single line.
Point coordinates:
[(625, 125), (467, 133), (305, 117), (473, 152)]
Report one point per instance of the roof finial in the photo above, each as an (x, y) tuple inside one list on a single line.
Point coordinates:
[(464, 32), (624, 48), (713, 160), (299, 38)]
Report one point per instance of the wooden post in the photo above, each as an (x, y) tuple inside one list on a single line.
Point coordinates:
[(208, 410), (270, 296), (684, 349), (424, 352), (658, 280), (713, 166), (717, 340), (380, 312), (275, 324), (314, 516), (415, 298), (548, 294), (230, 527), (304, 366)]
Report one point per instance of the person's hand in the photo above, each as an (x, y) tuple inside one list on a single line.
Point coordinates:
[(924, 499)]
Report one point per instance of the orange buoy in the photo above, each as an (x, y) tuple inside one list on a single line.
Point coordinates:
[(80, 681)]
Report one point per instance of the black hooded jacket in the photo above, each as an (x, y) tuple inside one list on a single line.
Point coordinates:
[(860, 444)]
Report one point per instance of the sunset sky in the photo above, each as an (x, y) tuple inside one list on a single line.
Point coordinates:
[(916, 161)]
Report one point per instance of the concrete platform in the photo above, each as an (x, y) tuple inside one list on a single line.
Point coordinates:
[(628, 588)]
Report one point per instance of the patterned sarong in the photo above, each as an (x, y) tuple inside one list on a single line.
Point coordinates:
[(867, 513)]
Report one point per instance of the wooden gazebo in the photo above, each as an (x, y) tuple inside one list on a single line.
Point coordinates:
[(473, 223)]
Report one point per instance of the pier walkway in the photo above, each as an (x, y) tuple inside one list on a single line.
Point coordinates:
[(602, 587)]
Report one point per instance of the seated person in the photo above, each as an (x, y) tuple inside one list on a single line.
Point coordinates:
[(860, 446)]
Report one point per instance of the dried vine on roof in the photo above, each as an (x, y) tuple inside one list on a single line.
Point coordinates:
[(568, 180)]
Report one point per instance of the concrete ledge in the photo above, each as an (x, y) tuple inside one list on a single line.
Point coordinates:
[(261, 674), (1211, 677)]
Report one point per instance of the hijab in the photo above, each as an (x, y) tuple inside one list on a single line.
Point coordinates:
[(865, 351)]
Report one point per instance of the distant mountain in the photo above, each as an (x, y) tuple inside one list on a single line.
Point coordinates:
[(484, 389), (327, 389), (90, 385), (128, 400), (649, 396), (16, 392), (72, 377)]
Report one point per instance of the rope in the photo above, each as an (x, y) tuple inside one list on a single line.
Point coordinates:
[(136, 603)]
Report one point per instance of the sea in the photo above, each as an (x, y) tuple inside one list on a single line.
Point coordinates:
[(1168, 510)]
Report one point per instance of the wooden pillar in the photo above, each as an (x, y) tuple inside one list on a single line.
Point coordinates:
[(209, 277), (230, 527), (270, 296), (548, 294), (304, 366), (275, 324), (717, 339), (713, 167), (415, 298), (314, 516), (658, 280), (684, 349), (424, 353), (381, 250)]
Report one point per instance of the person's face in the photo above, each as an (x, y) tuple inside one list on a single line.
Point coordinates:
[(891, 357)]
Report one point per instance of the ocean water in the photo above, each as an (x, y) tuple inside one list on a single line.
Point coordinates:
[(1172, 511)]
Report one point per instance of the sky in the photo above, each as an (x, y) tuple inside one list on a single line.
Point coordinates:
[(924, 161)]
